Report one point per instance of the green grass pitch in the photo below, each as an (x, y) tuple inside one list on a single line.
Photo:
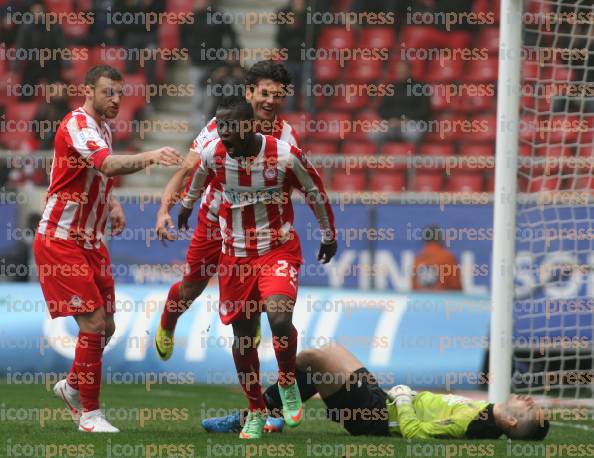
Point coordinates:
[(166, 422)]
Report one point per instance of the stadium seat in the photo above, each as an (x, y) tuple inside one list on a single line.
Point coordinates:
[(489, 39), (476, 103), (125, 125), (481, 71), (326, 70), (456, 39), (444, 71), (321, 148), (541, 183), (387, 181), (168, 35), (487, 7), (400, 151), (363, 124), (484, 128), (336, 38), (563, 129), (330, 126), (417, 69), (76, 30), (377, 37), (179, 6), (299, 122), (58, 6), (446, 127), (351, 103), (348, 182), (428, 182), (477, 149), (358, 148), (582, 183), (465, 182), (420, 36), (477, 156), (364, 70), (490, 183), (19, 139), (134, 90), (440, 101)]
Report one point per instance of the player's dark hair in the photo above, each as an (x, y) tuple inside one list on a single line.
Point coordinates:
[(238, 105), (268, 69), (98, 71), (541, 431)]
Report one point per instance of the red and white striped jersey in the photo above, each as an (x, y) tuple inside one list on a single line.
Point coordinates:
[(211, 199), (78, 196), (256, 213)]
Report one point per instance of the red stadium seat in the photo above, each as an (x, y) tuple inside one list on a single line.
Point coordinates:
[(387, 181), (377, 37), (125, 126), (321, 148), (326, 70), (428, 182), (481, 71), (563, 129), (364, 70), (465, 182), (58, 6), (437, 149), (299, 122), (490, 185), (487, 8), (476, 103), (477, 149), (24, 137), (420, 36), (358, 148), (348, 182), (444, 71), (446, 127), (581, 183), (477, 156), (456, 39), (134, 92), (400, 152), (168, 36), (179, 6), (330, 126), (542, 183), (363, 124), (336, 38), (489, 39), (75, 30), (351, 103), (483, 128), (417, 69)]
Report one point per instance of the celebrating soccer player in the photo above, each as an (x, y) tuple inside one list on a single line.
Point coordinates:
[(267, 83), (261, 253), (70, 254)]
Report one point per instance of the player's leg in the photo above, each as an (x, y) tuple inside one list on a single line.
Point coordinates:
[(201, 260), (247, 364)]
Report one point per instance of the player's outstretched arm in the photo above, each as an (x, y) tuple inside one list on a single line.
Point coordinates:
[(114, 165), (172, 194)]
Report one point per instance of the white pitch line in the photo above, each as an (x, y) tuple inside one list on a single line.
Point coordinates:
[(572, 425)]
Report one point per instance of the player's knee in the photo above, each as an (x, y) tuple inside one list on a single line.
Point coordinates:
[(280, 324), (95, 325), (190, 291), (309, 357)]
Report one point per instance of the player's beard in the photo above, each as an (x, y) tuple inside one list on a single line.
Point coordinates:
[(106, 111)]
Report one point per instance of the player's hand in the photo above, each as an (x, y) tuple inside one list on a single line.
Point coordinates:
[(164, 227), (327, 251), (118, 219), (401, 395), (166, 156), (183, 217)]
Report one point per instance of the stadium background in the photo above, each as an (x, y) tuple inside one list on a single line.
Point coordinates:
[(440, 172)]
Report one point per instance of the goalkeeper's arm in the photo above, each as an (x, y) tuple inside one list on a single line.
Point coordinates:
[(410, 425)]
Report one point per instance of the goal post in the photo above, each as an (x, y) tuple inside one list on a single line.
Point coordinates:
[(504, 224), (542, 273)]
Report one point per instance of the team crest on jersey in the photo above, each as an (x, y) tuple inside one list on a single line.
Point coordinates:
[(75, 301), (270, 173)]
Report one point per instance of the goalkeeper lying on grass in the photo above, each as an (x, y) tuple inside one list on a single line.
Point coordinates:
[(354, 399)]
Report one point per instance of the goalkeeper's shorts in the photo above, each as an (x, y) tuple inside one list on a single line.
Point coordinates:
[(360, 406)]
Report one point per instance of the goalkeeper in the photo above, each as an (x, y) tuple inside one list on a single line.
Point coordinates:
[(354, 399)]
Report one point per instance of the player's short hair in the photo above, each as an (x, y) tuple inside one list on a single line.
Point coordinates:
[(238, 105), (268, 69), (530, 430), (98, 71)]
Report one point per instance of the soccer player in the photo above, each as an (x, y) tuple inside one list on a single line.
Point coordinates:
[(354, 399), (70, 254), (267, 83), (261, 253)]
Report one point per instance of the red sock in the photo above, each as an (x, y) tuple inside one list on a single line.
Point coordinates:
[(285, 350), (87, 365), (174, 307), (248, 372), (71, 378)]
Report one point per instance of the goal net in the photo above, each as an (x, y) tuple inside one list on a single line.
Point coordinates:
[(554, 278)]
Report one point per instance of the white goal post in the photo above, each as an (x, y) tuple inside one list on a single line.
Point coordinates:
[(542, 273)]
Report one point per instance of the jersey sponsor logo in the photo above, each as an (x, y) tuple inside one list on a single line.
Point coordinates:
[(270, 173)]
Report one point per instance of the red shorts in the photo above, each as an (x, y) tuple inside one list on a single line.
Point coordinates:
[(73, 280), (203, 253), (245, 283)]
